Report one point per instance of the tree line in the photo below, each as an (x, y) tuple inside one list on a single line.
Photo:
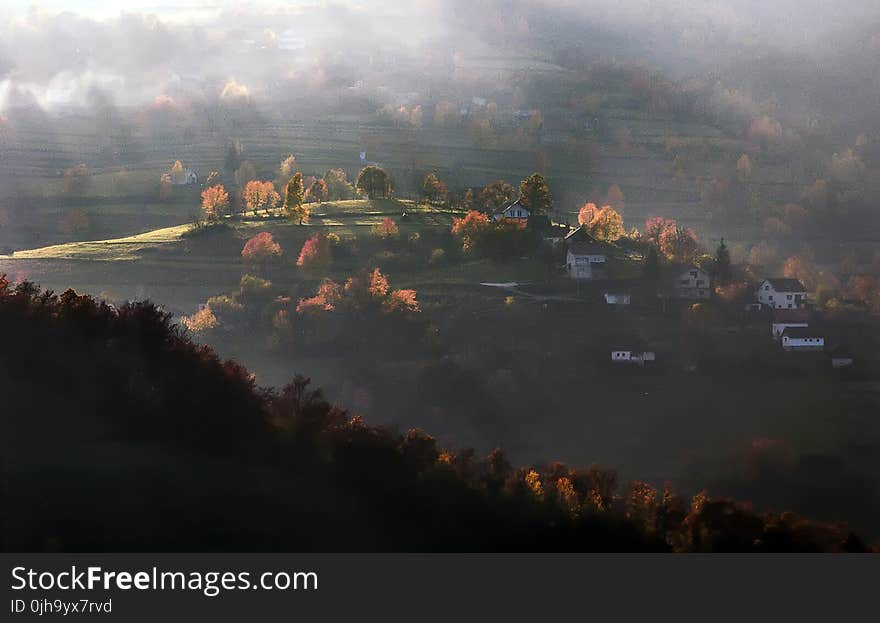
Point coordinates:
[(118, 432)]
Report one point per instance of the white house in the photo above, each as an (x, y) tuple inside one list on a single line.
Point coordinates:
[(691, 283), (617, 299), (586, 261), (514, 210), (586, 257), (788, 319), (782, 293), (187, 177), (802, 339)]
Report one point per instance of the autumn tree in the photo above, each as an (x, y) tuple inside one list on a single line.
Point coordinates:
[(285, 170), (259, 195), (294, 206), (318, 191), (261, 249), (386, 229), (535, 194), (433, 189), (215, 201), (202, 321), (586, 213), (467, 202), (401, 301), (470, 229), (244, 174), (744, 168), (495, 195), (374, 182), (315, 252), (654, 228), (614, 198), (338, 186), (607, 224), (178, 172), (679, 244)]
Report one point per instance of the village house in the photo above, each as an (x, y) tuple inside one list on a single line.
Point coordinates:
[(799, 338), (586, 257), (689, 283), (788, 319), (782, 293), (187, 177), (513, 210)]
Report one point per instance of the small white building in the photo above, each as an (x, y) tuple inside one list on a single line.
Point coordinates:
[(513, 210), (788, 319), (621, 355), (617, 299), (802, 339), (782, 293), (630, 356)]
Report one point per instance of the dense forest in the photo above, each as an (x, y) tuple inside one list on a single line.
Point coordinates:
[(119, 433)]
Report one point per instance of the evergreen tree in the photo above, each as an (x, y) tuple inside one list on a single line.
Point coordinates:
[(722, 264)]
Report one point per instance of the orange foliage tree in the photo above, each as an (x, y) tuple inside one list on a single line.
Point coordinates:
[(259, 195), (469, 228), (607, 224), (215, 200), (586, 213)]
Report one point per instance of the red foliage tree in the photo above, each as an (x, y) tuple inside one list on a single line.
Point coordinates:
[(386, 229), (260, 248), (315, 252)]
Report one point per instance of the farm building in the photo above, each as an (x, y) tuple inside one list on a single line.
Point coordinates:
[(799, 338), (688, 282), (782, 293), (586, 257)]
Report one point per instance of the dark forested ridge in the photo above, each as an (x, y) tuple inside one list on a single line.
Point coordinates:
[(119, 433)]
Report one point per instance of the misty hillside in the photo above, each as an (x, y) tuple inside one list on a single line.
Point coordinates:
[(148, 442)]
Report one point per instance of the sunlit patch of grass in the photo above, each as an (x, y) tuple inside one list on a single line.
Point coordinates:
[(114, 249)]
